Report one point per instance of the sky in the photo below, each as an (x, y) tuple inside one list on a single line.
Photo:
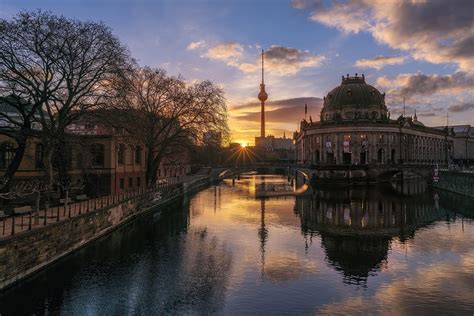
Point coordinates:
[(418, 50)]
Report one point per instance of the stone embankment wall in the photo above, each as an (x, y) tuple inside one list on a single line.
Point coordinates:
[(24, 254), (455, 181)]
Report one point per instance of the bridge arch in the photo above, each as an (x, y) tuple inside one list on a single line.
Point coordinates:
[(389, 174)]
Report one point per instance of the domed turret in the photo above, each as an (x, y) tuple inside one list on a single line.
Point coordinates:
[(354, 100)]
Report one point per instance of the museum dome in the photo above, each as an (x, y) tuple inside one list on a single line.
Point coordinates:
[(354, 99)]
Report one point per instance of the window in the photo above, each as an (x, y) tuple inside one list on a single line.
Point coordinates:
[(130, 182), (138, 182), (138, 155), (97, 154), (39, 156), (381, 138), (6, 155), (130, 154), (121, 183), (120, 153)]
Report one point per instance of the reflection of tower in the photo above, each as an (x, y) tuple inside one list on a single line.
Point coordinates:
[(262, 233), (262, 96)]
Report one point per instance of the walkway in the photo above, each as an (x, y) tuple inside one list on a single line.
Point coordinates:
[(15, 224)]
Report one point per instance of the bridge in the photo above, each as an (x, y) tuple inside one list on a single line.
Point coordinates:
[(366, 173)]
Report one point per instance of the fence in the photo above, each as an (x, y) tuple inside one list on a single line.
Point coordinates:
[(27, 220)]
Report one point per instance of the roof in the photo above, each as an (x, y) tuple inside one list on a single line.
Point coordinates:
[(354, 91), (459, 130)]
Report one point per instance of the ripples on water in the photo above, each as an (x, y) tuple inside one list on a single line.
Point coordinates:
[(256, 247)]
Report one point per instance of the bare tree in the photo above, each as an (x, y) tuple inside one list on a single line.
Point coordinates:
[(63, 66), (164, 113), (16, 117)]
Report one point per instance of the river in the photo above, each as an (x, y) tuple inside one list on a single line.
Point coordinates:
[(255, 247)]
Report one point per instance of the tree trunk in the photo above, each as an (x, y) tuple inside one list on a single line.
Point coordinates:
[(21, 141), (48, 165), (149, 168), (153, 164)]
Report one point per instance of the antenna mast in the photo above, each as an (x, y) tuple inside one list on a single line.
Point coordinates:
[(262, 96), (403, 107)]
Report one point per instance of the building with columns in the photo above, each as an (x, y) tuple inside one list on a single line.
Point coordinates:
[(355, 128)]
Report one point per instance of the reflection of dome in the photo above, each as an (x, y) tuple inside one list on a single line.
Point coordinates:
[(356, 257), (354, 100), (357, 225)]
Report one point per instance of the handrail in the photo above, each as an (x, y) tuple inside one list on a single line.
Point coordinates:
[(13, 224)]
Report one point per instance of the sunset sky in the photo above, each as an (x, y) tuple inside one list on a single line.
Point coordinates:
[(420, 50)]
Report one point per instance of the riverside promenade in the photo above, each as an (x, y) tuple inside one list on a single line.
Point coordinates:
[(33, 241), (30, 220)]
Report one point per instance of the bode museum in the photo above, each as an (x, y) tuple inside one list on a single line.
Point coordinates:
[(355, 128)]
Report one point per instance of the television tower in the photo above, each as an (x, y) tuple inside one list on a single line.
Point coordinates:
[(262, 96)]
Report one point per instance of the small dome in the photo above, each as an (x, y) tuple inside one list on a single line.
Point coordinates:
[(262, 95), (354, 99)]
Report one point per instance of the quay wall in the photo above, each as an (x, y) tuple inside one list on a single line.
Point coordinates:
[(24, 254), (456, 181)]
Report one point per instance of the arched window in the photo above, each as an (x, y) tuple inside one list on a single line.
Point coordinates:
[(392, 156), (97, 155), (381, 156), (138, 155), (39, 156), (7, 152)]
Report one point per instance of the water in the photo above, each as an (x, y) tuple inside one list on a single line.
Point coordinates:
[(223, 251)]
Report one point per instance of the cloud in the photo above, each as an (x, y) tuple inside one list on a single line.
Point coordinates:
[(440, 32), (280, 111), (379, 62), (227, 51), (463, 107), (354, 13), (428, 114), (289, 61), (306, 4), (195, 45), (279, 60), (410, 85)]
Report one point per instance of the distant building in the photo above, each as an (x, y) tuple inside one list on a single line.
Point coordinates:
[(463, 143), (272, 143)]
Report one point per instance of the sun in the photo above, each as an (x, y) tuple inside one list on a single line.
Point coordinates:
[(243, 145)]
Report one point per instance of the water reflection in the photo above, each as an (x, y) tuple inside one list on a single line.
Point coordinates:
[(227, 250), (157, 265), (357, 225)]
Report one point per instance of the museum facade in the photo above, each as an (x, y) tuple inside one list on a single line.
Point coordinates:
[(355, 128)]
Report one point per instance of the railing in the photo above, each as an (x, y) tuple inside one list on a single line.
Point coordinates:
[(17, 223)]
